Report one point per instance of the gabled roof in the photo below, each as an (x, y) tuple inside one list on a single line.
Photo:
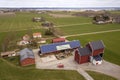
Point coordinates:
[(59, 46), (84, 51), (26, 53), (97, 45)]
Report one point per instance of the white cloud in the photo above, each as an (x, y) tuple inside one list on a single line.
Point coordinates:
[(59, 3)]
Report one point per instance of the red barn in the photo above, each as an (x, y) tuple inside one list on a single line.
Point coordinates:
[(26, 57), (58, 40), (82, 55), (97, 47), (92, 52)]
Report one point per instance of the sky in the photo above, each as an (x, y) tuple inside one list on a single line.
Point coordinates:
[(60, 3)]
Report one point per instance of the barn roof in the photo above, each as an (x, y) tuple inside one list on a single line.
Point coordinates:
[(59, 46), (97, 45), (59, 40), (26, 53), (84, 51)]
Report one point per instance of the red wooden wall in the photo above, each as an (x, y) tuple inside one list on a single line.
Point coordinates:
[(77, 56), (27, 61), (84, 59), (97, 52), (81, 59)]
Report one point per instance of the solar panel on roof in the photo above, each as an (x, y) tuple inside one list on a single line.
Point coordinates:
[(53, 47)]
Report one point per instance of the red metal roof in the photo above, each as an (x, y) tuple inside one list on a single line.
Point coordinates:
[(58, 40)]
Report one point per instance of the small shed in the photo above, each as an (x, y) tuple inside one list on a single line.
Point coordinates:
[(8, 54), (26, 37), (49, 48), (38, 19), (37, 35), (47, 24), (42, 40), (56, 40), (22, 42), (82, 55), (26, 57)]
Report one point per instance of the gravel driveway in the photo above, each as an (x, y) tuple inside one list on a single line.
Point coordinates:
[(69, 64), (106, 68)]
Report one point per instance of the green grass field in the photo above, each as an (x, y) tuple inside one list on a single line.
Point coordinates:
[(8, 72), (19, 21), (21, 24), (22, 21), (69, 20), (87, 28), (99, 76)]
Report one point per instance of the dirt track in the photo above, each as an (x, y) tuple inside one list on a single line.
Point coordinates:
[(72, 25), (91, 33)]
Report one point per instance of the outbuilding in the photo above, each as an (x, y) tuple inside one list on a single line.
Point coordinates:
[(26, 57), (38, 19), (8, 54), (26, 37), (37, 35), (97, 47), (93, 52), (61, 46), (56, 40), (82, 55)]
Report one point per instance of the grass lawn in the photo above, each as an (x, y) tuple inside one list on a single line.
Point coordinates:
[(8, 72), (99, 76), (21, 21), (14, 60), (69, 20), (111, 41), (78, 29)]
